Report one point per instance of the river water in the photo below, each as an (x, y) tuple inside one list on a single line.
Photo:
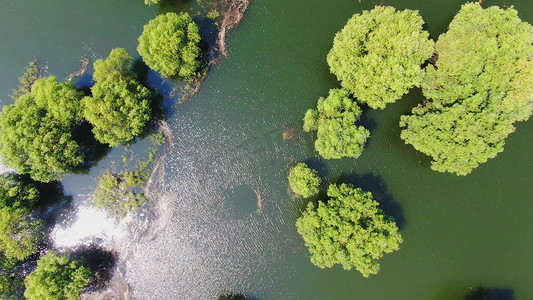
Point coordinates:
[(460, 233)]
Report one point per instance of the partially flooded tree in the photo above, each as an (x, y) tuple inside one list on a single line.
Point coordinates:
[(348, 229), (119, 107), (36, 131), (334, 120), (57, 276), (480, 85), (303, 180), (169, 44), (378, 54), (20, 234)]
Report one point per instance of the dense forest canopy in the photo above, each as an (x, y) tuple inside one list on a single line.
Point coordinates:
[(378, 54), (348, 229), (334, 120), (480, 85)]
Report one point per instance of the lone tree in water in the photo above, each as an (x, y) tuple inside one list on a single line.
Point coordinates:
[(57, 276), (348, 229), (480, 85), (119, 108), (334, 119), (169, 45), (378, 54), (36, 131), (303, 180), (19, 234)]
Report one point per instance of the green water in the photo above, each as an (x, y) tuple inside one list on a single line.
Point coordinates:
[(460, 233)]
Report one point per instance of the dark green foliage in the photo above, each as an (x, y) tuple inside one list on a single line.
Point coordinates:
[(119, 108), (36, 132), (334, 119), (19, 234), (480, 85), (169, 45), (379, 53), (303, 180), (349, 229), (57, 277), (32, 74), (11, 284)]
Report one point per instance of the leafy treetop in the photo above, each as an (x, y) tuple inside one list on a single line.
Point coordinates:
[(349, 229), (480, 85), (119, 108), (334, 120), (379, 53), (169, 45), (36, 131), (19, 234), (57, 276), (303, 180)]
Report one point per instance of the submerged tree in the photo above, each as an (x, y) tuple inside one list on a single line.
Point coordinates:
[(119, 108), (169, 45), (57, 276), (19, 233), (36, 131), (348, 229), (334, 120), (378, 54), (303, 180), (33, 73), (480, 85)]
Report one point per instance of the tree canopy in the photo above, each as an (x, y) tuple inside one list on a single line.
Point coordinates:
[(57, 277), (379, 53), (169, 45), (303, 180), (334, 119), (36, 131), (19, 234), (348, 229), (480, 85), (119, 108), (151, 2)]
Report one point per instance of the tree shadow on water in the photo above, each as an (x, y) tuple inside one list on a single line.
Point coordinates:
[(491, 294), (375, 185), (101, 263)]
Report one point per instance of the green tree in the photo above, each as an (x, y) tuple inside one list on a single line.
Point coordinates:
[(334, 120), (119, 108), (57, 277), (36, 131), (303, 180), (169, 45), (480, 85), (151, 2), (348, 229), (19, 233), (33, 73), (379, 53)]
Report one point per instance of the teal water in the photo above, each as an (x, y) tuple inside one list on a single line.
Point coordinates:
[(460, 233)]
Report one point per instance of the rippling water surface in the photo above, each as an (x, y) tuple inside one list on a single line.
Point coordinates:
[(460, 233)]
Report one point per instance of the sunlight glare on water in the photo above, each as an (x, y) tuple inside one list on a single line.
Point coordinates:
[(90, 224)]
